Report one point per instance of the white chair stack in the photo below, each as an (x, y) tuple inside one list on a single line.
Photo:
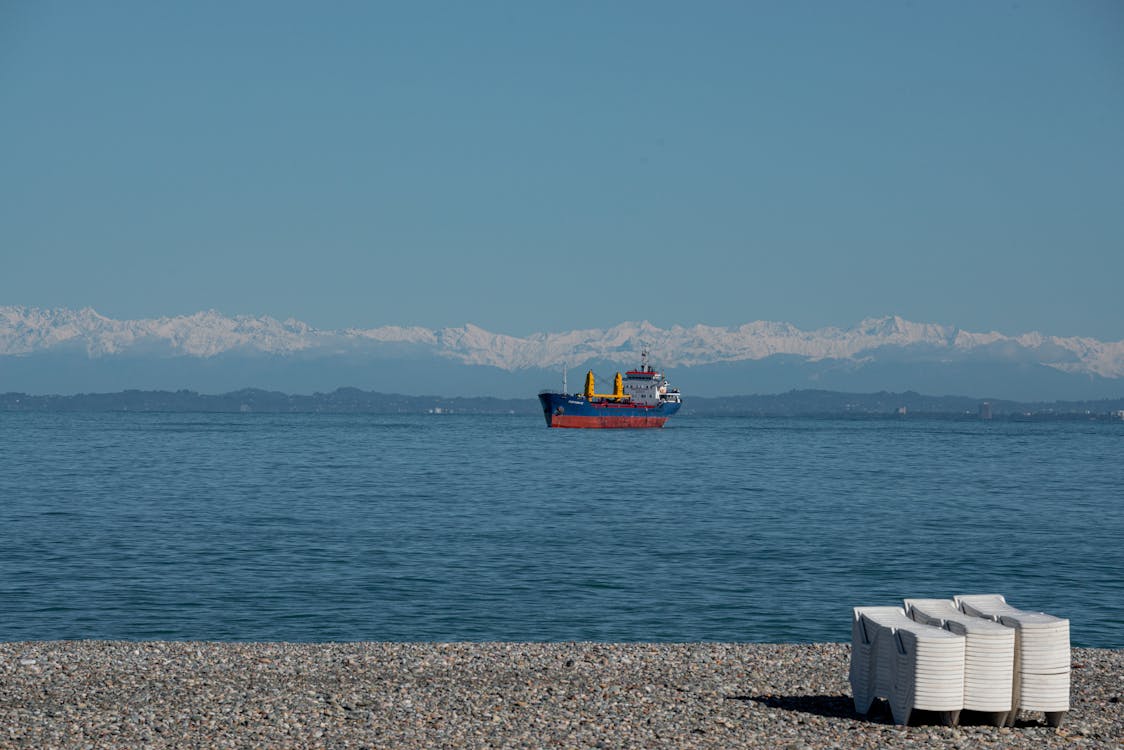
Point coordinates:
[(1042, 658), (989, 654), (911, 665)]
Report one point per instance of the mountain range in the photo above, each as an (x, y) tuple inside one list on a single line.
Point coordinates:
[(70, 351)]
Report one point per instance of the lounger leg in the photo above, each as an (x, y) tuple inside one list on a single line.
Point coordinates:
[(1054, 718), (1014, 714), (950, 718), (999, 718)]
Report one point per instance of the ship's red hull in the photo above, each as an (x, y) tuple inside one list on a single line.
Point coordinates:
[(563, 410), (614, 421)]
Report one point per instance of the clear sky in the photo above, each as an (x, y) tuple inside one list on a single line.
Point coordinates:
[(535, 166)]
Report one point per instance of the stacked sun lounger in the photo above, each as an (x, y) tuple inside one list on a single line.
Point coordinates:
[(989, 654), (1042, 658), (972, 652), (910, 664)]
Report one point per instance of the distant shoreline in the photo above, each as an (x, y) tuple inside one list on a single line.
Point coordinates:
[(810, 403), (405, 695)]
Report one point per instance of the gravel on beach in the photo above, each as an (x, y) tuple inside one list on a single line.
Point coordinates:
[(98, 694)]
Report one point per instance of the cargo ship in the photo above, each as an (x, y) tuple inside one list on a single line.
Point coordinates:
[(641, 398)]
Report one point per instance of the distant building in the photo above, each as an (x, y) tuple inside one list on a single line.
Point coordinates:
[(985, 410), (1118, 414), (902, 411)]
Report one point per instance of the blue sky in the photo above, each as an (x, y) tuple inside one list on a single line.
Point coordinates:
[(547, 166)]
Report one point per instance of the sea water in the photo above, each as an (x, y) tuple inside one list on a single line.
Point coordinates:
[(318, 527)]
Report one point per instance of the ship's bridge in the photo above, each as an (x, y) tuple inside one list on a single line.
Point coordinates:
[(643, 387)]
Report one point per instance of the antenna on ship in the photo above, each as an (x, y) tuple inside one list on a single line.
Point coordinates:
[(564, 388)]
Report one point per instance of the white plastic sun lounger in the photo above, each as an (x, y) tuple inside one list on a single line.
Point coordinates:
[(989, 655), (1042, 657), (911, 665)]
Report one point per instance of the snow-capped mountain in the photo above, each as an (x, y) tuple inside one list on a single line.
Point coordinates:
[(27, 330), (62, 350)]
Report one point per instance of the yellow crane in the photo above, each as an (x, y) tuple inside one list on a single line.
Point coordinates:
[(618, 389)]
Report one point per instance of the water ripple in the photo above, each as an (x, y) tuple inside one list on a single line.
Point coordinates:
[(329, 527)]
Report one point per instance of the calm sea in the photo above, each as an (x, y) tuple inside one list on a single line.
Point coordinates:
[(444, 527)]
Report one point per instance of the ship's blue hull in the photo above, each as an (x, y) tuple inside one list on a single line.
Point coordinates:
[(565, 410)]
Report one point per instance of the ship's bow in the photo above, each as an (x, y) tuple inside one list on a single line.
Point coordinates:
[(548, 406)]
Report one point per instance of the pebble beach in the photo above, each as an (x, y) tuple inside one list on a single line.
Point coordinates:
[(99, 694)]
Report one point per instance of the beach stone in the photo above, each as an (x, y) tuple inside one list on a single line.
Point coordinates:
[(102, 694)]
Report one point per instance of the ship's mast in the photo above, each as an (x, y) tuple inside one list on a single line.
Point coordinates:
[(564, 388)]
